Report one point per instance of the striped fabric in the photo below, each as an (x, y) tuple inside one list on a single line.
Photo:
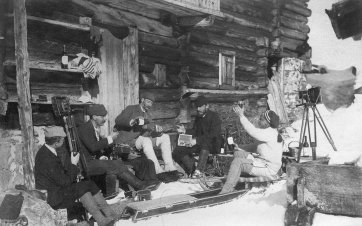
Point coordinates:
[(90, 67)]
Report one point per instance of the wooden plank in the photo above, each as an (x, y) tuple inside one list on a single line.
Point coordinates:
[(23, 90), (228, 92), (43, 66), (68, 25)]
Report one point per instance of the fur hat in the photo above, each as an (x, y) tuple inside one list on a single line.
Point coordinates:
[(54, 131), (272, 118), (97, 109), (200, 101)]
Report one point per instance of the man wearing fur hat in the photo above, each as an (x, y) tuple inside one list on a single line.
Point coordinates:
[(137, 128), (93, 144), (58, 179), (268, 149), (206, 134)]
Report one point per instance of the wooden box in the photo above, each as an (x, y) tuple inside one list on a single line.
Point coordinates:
[(331, 189)]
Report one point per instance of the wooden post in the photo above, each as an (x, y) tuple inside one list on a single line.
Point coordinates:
[(3, 94), (23, 90)]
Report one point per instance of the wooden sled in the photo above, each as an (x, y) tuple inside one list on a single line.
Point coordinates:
[(178, 203)]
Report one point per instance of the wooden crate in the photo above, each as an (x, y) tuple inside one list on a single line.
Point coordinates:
[(330, 189)]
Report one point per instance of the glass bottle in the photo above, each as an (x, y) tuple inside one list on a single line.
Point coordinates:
[(65, 59)]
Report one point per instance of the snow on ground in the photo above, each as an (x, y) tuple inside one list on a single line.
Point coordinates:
[(259, 207)]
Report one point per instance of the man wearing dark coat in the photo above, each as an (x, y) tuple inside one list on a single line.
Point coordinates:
[(59, 180), (93, 145), (206, 139)]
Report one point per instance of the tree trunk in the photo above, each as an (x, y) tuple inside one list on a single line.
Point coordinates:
[(23, 90)]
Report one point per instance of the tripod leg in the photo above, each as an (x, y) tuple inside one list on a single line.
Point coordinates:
[(313, 145), (302, 132), (324, 127)]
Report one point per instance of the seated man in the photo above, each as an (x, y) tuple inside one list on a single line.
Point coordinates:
[(93, 144), (268, 148), (137, 129), (59, 180), (206, 139)]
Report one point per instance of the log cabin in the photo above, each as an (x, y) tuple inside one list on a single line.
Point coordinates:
[(175, 49)]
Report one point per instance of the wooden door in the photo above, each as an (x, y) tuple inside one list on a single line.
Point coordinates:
[(118, 84)]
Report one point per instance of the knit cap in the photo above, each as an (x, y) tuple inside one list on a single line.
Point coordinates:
[(272, 118)]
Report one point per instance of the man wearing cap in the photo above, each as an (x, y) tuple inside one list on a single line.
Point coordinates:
[(59, 180), (93, 145), (264, 158), (206, 134), (138, 129)]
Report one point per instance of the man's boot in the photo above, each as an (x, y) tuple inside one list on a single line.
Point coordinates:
[(91, 206), (132, 180), (111, 185), (203, 156), (105, 208), (188, 164)]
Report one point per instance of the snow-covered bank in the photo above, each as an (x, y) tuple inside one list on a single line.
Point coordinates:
[(259, 207)]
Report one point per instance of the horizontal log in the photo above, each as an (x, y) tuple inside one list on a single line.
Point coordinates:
[(213, 83), (237, 30), (262, 52), (291, 15), (197, 70), (294, 24), (215, 50), (288, 53), (168, 125), (107, 15), (289, 43), (261, 91), (158, 40), (298, 9), (302, 4), (165, 110), (242, 19), (257, 3), (146, 49), (261, 11), (213, 39), (213, 60), (290, 33), (262, 61), (163, 95), (132, 6), (247, 22), (147, 60)]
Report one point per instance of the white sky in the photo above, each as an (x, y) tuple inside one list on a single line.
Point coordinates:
[(326, 48)]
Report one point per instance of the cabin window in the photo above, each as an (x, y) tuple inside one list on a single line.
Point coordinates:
[(227, 68)]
